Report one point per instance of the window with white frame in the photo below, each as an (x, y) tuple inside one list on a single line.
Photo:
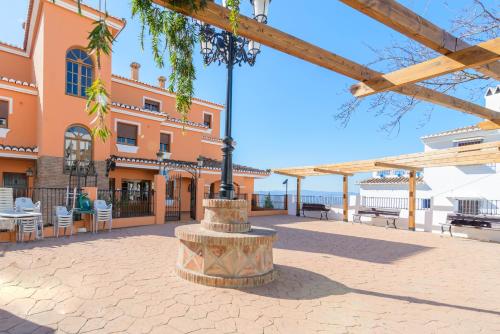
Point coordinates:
[(4, 114), (207, 120), (79, 72), (126, 134), (151, 105), (165, 142)]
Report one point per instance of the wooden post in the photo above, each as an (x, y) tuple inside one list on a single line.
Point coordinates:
[(412, 201), (298, 197), (346, 199)]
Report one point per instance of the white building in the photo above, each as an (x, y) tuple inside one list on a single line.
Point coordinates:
[(441, 190)]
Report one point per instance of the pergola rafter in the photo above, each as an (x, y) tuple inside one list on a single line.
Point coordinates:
[(459, 156), (404, 20), (472, 56), (218, 16)]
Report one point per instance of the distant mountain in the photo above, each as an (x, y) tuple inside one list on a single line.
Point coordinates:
[(304, 192)]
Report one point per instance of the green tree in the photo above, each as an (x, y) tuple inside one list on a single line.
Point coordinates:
[(268, 202)]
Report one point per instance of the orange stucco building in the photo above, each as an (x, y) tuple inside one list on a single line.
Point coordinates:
[(44, 128)]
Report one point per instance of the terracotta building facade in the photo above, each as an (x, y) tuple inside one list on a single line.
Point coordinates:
[(45, 135)]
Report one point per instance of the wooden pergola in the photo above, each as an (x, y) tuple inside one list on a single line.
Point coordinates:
[(456, 55), (456, 156)]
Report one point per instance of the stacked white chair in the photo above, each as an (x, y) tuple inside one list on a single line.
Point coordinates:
[(28, 225), (103, 213), (26, 204), (64, 219), (6, 205)]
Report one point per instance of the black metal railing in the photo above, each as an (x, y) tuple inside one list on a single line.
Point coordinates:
[(326, 200), (127, 203), (48, 198), (478, 207), (269, 202), (217, 196), (394, 203)]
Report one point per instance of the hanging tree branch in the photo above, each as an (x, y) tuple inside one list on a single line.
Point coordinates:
[(169, 31)]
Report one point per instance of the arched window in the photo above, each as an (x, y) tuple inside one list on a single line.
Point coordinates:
[(79, 72), (77, 146)]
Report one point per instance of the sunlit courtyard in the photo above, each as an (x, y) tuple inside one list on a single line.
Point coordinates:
[(334, 278)]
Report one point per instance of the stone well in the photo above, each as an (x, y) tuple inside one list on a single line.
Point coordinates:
[(224, 250)]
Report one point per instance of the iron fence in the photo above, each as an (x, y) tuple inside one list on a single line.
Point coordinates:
[(269, 202), (326, 200), (478, 207), (127, 203), (394, 203), (48, 198)]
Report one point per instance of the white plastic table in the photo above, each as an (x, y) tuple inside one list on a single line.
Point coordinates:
[(16, 215)]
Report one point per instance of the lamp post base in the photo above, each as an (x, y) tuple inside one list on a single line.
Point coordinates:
[(224, 251)]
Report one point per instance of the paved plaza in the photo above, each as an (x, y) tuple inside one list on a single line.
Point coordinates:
[(334, 278)]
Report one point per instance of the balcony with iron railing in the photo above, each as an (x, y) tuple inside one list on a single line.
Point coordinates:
[(477, 207)]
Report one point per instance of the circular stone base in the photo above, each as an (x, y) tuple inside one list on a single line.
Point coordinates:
[(226, 259), (227, 282)]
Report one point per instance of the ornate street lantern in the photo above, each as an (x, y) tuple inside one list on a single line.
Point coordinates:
[(163, 170), (260, 10), (223, 47)]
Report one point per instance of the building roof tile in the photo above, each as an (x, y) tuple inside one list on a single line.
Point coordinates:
[(165, 90), (208, 164), (466, 129), (13, 148), (18, 82), (159, 113)]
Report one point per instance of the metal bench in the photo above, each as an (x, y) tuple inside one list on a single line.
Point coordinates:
[(390, 215), (315, 207), (482, 222)]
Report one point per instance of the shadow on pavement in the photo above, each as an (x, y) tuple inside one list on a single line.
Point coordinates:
[(347, 246), (13, 324), (300, 284)]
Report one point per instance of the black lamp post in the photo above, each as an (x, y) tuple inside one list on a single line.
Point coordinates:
[(225, 47)]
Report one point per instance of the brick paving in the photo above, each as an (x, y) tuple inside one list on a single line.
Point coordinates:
[(334, 278)]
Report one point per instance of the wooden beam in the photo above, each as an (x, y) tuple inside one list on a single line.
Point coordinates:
[(330, 171), (472, 56), (218, 16), (412, 200), (345, 198), (402, 19), (288, 174), (488, 125), (298, 198), (396, 166)]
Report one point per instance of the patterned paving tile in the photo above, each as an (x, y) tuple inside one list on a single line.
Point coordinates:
[(334, 278)]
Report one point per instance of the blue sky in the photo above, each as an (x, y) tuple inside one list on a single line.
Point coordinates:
[(284, 107)]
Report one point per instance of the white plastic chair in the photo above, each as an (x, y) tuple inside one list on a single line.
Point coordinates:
[(64, 219), (28, 225), (103, 213), (26, 204), (23, 203), (7, 204)]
